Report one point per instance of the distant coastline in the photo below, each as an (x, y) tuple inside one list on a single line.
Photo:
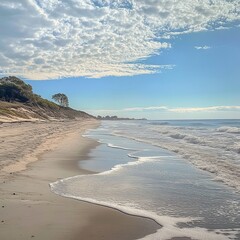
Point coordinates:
[(118, 118)]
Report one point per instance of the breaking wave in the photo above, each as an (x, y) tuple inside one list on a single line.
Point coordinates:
[(215, 150), (235, 130)]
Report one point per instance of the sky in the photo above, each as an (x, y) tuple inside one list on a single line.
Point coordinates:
[(155, 59)]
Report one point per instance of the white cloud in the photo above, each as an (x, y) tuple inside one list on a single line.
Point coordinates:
[(145, 108), (41, 39), (202, 47), (176, 110), (205, 109)]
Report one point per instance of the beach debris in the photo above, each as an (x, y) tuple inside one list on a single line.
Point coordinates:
[(3, 206), (14, 193), (32, 236)]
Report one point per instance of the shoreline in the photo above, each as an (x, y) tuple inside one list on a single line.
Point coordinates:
[(36, 212)]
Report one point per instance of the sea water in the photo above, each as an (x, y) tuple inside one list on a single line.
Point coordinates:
[(183, 174)]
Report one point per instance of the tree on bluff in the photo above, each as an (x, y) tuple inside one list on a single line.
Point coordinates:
[(61, 98)]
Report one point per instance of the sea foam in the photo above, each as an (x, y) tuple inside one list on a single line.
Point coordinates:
[(212, 150)]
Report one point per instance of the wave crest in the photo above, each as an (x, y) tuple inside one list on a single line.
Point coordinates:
[(226, 129)]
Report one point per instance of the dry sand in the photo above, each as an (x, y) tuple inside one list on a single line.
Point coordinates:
[(29, 210)]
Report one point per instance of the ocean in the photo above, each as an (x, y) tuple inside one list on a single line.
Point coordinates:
[(184, 174)]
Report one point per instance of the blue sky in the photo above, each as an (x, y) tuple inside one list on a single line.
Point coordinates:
[(154, 59)]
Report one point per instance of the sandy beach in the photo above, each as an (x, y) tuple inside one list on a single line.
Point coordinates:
[(32, 155)]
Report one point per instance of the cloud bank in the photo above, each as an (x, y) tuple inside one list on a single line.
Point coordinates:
[(176, 110), (44, 39)]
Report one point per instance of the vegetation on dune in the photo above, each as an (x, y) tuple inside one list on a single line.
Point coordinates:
[(18, 100), (13, 89)]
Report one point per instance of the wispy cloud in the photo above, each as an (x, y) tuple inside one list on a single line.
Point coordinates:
[(176, 110), (205, 109), (42, 39), (145, 108), (202, 47)]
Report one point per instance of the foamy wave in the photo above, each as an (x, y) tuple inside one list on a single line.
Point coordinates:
[(202, 157), (235, 130), (179, 134), (159, 123), (236, 148), (140, 160), (168, 225), (188, 138), (195, 140), (120, 147)]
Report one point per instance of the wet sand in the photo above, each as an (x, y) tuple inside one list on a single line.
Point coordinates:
[(29, 210)]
